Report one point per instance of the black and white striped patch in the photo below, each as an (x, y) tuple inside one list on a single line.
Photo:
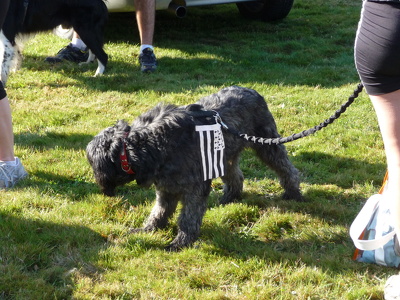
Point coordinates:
[(212, 150)]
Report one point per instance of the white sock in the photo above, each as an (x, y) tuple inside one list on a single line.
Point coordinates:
[(78, 43), (144, 46)]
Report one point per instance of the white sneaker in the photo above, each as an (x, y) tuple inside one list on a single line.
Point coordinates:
[(392, 290), (10, 175)]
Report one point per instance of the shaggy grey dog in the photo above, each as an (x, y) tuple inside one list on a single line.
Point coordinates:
[(161, 147)]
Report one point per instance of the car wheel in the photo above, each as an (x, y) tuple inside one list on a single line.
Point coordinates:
[(266, 10), (65, 33)]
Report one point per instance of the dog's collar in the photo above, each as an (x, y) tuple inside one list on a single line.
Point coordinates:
[(124, 158)]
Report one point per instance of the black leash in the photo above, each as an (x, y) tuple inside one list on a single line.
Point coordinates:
[(282, 140), (293, 137)]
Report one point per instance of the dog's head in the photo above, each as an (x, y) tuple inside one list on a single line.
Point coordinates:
[(104, 155)]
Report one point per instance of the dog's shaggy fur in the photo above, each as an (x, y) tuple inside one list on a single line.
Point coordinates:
[(163, 149), (24, 17)]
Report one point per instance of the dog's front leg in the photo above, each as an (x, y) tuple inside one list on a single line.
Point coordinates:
[(190, 220), (163, 209)]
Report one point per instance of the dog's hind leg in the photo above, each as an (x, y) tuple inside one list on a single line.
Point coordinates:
[(18, 45), (16, 61), (93, 38), (233, 182), (163, 209), (191, 217), (275, 156), (6, 56), (100, 67)]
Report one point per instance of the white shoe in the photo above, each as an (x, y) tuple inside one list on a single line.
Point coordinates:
[(392, 288), (10, 175)]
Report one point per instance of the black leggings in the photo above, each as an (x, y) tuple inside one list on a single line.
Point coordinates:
[(377, 47), (3, 93), (3, 12)]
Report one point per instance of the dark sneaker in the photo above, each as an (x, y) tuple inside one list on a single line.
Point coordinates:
[(70, 53), (147, 61)]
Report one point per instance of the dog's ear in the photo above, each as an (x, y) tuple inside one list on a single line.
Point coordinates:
[(102, 153), (121, 127), (120, 131), (103, 168)]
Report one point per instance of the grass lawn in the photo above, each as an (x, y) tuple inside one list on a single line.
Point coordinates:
[(61, 239)]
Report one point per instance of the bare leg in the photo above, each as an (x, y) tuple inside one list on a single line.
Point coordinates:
[(145, 17), (11, 169), (387, 109), (6, 131)]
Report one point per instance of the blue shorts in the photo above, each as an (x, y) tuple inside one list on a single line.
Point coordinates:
[(377, 47)]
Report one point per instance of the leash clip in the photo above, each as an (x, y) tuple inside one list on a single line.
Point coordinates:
[(218, 119)]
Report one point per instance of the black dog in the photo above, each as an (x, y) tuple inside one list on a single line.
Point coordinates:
[(87, 17), (162, 148)]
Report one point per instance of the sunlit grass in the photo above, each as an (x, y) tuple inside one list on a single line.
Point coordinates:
[(61, 239)]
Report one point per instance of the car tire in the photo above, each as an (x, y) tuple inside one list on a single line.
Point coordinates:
[(266, 10)]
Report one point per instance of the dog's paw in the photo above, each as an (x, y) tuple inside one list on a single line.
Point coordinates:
[(294, 195), (181, 241)]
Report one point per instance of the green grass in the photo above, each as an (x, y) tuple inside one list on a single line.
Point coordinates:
[(61, 239)]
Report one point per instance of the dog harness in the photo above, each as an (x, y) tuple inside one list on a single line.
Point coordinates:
[(124, 158)]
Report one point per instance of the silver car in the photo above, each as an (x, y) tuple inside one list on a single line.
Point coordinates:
[(266, 10)]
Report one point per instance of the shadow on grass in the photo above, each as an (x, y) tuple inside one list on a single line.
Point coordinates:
[(322, 168), (51, 140), (318, 168), (75, 189), (39, 259), (332, 254)]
